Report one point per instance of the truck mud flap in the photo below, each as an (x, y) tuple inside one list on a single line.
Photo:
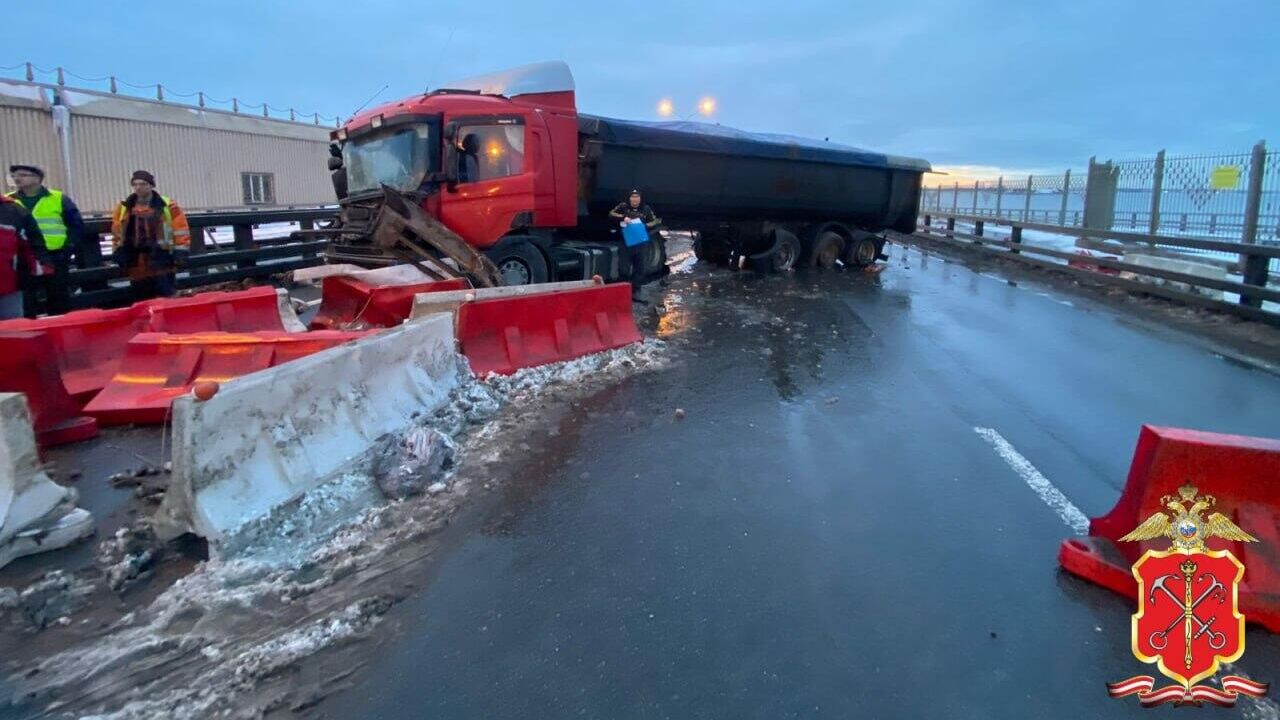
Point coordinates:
[(29, 365), (1243, 473), (87, 344), (36, 514), (350, 302), (501, 330), (252, 310), (265, 439), (157, 368)]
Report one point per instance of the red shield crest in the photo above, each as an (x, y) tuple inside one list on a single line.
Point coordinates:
[(1188, 621)]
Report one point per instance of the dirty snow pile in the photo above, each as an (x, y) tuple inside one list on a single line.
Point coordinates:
[(210, 644)]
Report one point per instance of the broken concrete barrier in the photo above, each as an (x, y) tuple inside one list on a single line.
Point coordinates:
[(428, 304), (1186, 267), (391, 275), (36, 514), (264, 440)]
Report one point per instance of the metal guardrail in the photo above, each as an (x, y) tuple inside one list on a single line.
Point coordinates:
[(206, 264), (1253, 292)]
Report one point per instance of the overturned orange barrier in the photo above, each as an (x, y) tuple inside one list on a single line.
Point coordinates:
[(28, 365), (158, 367), (253, 310), (1242, 472), (351, 302), (87, 344), (504, 334)]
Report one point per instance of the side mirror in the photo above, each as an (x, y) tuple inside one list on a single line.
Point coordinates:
[(450, 173), (335, 163)]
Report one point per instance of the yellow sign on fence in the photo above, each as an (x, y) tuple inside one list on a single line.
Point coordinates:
[(1225, 177)]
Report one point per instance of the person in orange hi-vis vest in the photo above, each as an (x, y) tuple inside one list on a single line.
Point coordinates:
[(148, 231)]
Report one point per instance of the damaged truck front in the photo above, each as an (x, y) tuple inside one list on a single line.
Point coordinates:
[(500, 179)]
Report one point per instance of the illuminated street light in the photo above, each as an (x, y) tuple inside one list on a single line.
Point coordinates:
[(666, 108), (707, 106)]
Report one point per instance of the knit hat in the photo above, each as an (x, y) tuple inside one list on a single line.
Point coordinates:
[(144, 176), (28, 168)]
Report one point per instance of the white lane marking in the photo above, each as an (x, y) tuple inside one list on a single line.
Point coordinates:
[(1250, 708), (1051, 495)]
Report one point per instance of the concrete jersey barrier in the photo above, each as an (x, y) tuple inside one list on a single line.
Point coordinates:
[(428, 304), (266, 439), (36, 514), (391, 275)]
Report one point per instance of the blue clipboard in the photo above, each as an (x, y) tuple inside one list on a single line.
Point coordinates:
[(635, 234)]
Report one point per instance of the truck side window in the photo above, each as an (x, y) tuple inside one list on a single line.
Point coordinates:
[(486, 152)]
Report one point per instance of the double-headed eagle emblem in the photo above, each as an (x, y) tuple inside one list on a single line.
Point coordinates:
[(1188, 621), (1186, 527)]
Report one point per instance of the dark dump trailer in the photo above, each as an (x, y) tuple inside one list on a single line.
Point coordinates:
[(745, 193)]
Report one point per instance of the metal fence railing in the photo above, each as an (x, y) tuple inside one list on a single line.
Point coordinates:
[(1033, 198), (1248, 296), (1193, 196), (252, 251)]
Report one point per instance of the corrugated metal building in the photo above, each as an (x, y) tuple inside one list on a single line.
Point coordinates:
[(89, 143)]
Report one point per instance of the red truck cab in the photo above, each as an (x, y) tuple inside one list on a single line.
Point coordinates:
[(494, 158)]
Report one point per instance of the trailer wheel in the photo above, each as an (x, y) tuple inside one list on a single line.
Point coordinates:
[(519, 263), (827, 249), (786, 251), (710, 250), (862, 251)]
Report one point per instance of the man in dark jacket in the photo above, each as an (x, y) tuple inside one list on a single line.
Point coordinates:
[(148, 232), (19, 233), (633, 210), (63, 229)]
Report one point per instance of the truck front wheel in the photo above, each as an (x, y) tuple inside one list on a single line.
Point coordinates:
[(654, 255), (519, 263)]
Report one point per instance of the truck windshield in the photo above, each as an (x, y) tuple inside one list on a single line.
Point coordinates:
[(399, 157)]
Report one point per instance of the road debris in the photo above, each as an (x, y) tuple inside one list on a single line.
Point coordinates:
[(404, 466)]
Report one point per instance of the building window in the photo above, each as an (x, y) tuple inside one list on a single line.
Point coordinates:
[(258, 188)]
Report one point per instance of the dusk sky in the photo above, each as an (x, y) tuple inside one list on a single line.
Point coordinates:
[(1008, 85)]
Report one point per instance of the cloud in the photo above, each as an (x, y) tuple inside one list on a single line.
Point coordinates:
[(949, 175)]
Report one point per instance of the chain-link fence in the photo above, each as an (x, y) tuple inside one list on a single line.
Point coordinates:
[(1049, 199), (1195, 196)]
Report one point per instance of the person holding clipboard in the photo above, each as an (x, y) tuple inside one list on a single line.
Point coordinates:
[(637, 221)]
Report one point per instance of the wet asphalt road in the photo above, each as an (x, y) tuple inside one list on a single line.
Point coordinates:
[(824, 534)]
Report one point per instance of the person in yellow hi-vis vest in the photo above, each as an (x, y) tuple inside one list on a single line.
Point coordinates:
[(63, 229), (148, 231)]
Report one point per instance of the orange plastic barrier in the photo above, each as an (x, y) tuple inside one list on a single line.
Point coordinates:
[(350, 303), (158, 367), (1243, 473), (87, 344), (502, 335), (252, 310), (28, 365)]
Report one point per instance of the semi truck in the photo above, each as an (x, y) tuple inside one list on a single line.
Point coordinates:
[(501, 179)]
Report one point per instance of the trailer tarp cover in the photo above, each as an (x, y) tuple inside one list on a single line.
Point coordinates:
[(718, 139)]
